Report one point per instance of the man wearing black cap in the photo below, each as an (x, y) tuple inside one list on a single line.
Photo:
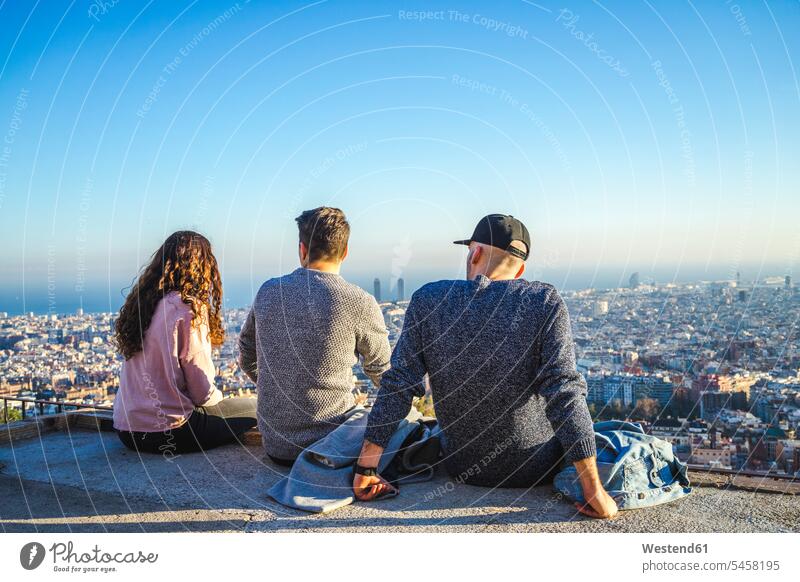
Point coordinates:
[(499, 355)]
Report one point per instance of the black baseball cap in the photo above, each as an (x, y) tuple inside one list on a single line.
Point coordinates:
[(500, 230)]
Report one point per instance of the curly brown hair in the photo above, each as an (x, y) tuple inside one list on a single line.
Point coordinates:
[(184, 263)]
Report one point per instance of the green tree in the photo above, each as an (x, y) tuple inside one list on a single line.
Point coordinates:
[(613, 410), (13, 414), (646, 409), (425, 405)]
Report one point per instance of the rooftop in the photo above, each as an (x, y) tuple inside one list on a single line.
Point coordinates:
[(80, 479)]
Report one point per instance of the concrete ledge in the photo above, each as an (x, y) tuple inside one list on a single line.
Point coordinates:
[(777, 485), (26, 429), (36, 426), (84, 480)]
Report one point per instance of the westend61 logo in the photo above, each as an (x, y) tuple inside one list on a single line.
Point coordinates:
[(67, 559)]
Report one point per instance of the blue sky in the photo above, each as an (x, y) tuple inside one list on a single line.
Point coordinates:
[(659, 137)]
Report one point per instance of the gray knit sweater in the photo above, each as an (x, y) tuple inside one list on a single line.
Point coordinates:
[(501, 363), (299, 344)]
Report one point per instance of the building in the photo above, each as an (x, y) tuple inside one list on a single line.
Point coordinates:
[(633, 282), (594, 385), (713, 403), (401, 289), (376, 286), (599, 308), (627, 389), (788, 455), (662, 391), (719, 458)]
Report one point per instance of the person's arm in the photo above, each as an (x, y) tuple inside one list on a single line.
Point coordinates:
[(399, 385), (248, 360), (562, 386), (564, 391), (194, 355), (367, 488), (372, 342)]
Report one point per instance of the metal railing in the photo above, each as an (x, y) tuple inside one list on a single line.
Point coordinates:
[(61, 405), (742, 473)]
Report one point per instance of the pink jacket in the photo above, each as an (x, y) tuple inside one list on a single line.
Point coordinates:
[(160, 385)]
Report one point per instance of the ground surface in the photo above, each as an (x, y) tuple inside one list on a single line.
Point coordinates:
[(87, 481)]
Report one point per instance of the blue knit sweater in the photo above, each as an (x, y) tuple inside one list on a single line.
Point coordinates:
[(501, 364)]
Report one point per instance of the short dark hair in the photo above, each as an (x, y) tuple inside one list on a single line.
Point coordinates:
[(325, 232)]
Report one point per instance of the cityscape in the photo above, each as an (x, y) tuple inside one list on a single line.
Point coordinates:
[(710, 366)]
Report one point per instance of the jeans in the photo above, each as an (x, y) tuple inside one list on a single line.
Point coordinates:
[(207, 427), (504, 466)]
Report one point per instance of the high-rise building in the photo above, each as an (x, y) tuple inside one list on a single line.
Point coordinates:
[(79, 312), (401, 289), (788, 281), (377, 289), (634, 281), (662, 390), (594, 384)]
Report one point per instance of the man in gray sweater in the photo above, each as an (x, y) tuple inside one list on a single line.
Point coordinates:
[(303, 336), (499, 355)]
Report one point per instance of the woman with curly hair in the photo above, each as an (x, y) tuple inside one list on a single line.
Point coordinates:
[(167, 401)]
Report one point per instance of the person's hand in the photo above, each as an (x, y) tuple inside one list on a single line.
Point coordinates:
[(599, 504), (368, 488)]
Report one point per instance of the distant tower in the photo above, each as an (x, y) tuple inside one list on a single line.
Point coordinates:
[(634, 281), (377, 289), (738, 278), (401, 289), (79, 312), (788, 282)]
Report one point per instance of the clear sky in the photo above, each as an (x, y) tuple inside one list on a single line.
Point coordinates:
[(658, 137)]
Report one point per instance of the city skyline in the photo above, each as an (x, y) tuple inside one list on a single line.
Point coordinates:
[(50, 305), (710, 367), (97, 305), (627, 138)]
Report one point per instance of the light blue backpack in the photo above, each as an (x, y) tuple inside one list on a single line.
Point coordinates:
[(637, 470)]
